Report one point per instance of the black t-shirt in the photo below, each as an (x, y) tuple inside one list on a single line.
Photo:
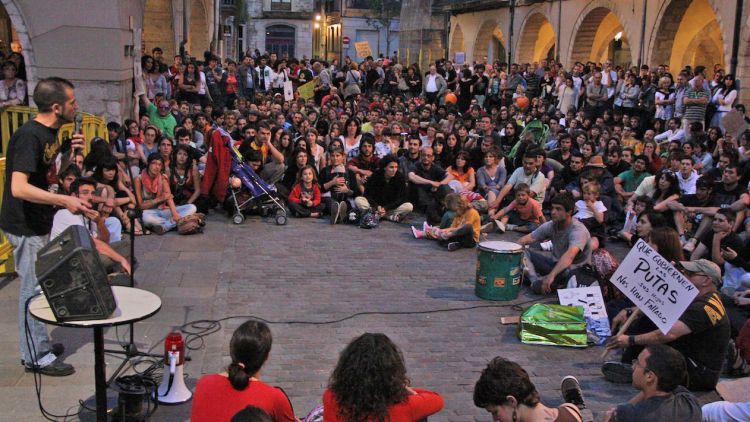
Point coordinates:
[(732, 240), (709, 326), (619, 167), (724, 197), (681, 405), (435, 172), (32, 149)]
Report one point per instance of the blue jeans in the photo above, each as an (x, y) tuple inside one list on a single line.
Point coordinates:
[(163, 217), (114, 226), (538, 265), (25, 249)]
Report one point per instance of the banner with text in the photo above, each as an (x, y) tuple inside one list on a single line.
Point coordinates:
[(659, 290)]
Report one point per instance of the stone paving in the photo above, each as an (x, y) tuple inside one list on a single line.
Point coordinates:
[(309, 271)]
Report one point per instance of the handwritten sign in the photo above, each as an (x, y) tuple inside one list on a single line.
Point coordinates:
[(659, 290), (460, 57), (592, 302), (363, 48)]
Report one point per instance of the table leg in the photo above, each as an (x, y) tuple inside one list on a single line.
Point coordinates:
[(100, 376)]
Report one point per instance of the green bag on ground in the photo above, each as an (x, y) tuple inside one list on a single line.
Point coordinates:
[(555, 325)]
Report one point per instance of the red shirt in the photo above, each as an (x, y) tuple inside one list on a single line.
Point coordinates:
[(414, 408), (215, 400)]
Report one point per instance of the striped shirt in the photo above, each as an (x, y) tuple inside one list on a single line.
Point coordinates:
[(695, 112)]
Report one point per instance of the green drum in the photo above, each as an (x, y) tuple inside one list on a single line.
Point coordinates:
[(498, 270)]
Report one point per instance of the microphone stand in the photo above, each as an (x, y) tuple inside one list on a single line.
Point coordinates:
[(130, 350)]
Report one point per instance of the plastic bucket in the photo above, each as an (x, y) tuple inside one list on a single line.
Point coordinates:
[(498, 270)]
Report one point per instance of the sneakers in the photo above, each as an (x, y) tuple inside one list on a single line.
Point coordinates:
[(511, 227), (546, 245), (51, 366), (396, 218), (334, 212), (343, 208), (158, 229), (487, 228), (572, 393), (501, 227), (454, 246), (418, 234), (617, 372), (426, 226)]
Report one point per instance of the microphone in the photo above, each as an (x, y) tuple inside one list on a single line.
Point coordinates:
[(78, 129)]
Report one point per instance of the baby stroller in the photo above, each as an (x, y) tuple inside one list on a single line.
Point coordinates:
[(254, 193), (539, 130)]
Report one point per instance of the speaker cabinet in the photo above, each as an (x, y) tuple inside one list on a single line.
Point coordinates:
[(73, 278)]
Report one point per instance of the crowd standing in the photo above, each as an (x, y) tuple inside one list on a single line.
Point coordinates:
[(573, 158)]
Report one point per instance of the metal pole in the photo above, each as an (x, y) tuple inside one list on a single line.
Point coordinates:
[(643, 34), (510, 33), (559, 29), (736, 38)]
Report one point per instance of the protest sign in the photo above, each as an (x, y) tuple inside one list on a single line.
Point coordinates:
[(307, 90), (363, 49), (288, 91), (654, 285), (460, 57), (592, 302)]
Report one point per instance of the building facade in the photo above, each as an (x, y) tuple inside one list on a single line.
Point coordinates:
[(97, 43), (356, 21), (284, 27), (675, 33)]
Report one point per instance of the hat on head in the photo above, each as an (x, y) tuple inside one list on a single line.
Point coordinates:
[(596, 161), (705, 267)]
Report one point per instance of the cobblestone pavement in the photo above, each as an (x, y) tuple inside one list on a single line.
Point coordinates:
[(311, 271)]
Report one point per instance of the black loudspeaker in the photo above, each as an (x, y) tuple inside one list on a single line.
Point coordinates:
[(73, 278)]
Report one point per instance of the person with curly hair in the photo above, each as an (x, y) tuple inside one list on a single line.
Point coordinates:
[(505, 390), (219, 397), (369, 383)]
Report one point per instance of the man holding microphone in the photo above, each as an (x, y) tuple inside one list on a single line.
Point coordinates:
[(28, 208)]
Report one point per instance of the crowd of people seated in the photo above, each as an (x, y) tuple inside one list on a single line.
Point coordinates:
[(572, 158)]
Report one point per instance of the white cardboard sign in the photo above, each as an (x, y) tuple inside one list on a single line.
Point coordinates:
[(659, 290), (592, 302)]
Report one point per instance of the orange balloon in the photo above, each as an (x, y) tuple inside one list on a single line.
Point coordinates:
[(522, 102), (451, 98)]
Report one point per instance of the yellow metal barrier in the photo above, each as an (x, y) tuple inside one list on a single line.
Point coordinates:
[(12, 118), (6, 250)]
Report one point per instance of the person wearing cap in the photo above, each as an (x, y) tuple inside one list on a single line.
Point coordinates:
[(159, 116), (701, 333)]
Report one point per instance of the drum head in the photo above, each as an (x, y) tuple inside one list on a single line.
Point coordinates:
[(498, 246)]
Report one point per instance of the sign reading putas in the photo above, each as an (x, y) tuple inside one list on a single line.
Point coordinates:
[(659, 290)]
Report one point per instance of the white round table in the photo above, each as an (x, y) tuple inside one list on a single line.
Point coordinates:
[(133, 305)]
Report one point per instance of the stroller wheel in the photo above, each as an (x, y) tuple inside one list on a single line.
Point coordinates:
[(280, 217), (238, 218)]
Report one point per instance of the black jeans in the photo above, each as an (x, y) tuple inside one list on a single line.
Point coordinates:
[(464, 235), (299, 210), (430, 202)]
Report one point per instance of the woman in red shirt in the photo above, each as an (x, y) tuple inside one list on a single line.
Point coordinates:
[(370, 384), (218, 397)]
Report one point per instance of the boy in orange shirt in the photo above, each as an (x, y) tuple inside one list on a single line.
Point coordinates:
[(523, 214)]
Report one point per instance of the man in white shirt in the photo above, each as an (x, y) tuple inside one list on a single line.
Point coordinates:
[(83, 189), (673, 132), (434, 85), (687, 176)]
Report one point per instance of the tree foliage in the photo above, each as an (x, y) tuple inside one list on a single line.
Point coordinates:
[(381, 13)]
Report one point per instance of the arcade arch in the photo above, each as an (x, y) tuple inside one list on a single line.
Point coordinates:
[(600, 36), (688, 33), (490, 43), (537, 39)]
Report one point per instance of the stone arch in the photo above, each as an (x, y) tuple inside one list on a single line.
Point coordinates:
[(198, 35), (683, 25), (457, 41), (593, 35), (490, 42), (18, 22), (158, 27), (536, 39)]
